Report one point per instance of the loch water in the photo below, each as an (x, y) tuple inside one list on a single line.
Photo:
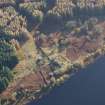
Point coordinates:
[(87, 87)]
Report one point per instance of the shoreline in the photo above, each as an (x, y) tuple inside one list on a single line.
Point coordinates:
[(62, 82), (89, 59)]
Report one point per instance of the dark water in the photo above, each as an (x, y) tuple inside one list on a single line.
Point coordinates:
[(87, 87)]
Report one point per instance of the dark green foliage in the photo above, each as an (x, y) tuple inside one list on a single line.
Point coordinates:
[(5, 77), (7, 54), (70, 25), (62, 44), (7, 61), (33, 10), (54, 65), (50, 4)]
